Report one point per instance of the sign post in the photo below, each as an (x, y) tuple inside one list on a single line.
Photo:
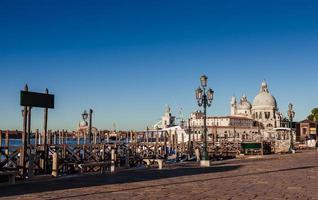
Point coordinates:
[(29, 100)]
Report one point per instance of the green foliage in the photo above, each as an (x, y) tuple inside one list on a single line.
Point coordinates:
[(314, 115)]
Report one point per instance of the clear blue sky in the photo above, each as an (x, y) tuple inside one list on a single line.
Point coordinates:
[(128, 59)]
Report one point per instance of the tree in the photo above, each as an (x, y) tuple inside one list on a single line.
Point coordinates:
[(314, 115)]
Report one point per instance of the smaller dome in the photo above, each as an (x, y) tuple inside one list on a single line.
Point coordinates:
[(244, 106)]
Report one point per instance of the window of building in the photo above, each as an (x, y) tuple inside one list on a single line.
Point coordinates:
[(304, 132), (267, 115)]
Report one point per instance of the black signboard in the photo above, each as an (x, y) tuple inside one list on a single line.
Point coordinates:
[(34, 99)]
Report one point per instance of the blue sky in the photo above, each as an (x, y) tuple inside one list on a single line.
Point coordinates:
[(128, 59)]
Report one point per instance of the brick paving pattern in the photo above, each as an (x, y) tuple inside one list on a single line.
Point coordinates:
[(274, 177)]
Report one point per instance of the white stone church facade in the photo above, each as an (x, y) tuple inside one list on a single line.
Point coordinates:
[(246, 121), (264, 109)]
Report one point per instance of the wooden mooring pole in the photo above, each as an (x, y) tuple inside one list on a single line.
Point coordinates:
[(29, 125), (46, 151), (7, 145), (24, 138), (113, 159), (55, 166)]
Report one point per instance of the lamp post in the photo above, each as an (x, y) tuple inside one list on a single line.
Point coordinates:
[(89, 116), (204, 98), (291, 115)]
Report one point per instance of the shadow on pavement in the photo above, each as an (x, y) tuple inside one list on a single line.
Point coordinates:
[(99, 180), (193, 181)]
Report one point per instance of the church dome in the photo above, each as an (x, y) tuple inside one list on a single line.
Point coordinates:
[(264, 99), (244, 104)]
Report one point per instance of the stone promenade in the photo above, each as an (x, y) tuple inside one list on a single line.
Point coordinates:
[(272, 177)]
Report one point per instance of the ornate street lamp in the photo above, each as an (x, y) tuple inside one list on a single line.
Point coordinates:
[(291, 115), (85, 116), (204, 98)]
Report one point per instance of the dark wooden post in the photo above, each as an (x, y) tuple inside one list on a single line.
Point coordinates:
[(49, 137), (165, 144), (182, 141), (176, 141), (90, 125), (24, 138), (46, 152), (29, 125), (157, 141), (65, 137), (54, 138)]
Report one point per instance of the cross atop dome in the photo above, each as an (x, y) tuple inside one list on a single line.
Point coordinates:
[(264, 87)]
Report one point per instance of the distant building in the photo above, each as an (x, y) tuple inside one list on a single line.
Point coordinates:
[(246, 121), (307, 130), (226, 127), (167, 120)]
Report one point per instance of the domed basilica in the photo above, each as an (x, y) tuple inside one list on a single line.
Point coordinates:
[(263, 110)]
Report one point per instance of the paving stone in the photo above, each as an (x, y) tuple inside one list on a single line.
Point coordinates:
[(274, 177)]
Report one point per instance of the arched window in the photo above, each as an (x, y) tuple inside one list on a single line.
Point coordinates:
[(267, 115)]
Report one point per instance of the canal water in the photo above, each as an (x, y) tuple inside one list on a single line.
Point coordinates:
[(18, 142)]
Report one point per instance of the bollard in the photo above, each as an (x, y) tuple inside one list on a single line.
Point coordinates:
[(55, 166), (113, 158), (31, 163)]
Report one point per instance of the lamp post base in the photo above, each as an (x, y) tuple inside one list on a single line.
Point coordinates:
[(205, 163)]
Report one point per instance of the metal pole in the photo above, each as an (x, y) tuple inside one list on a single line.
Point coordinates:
[(45, 136), (205, 152), (291, 134)]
